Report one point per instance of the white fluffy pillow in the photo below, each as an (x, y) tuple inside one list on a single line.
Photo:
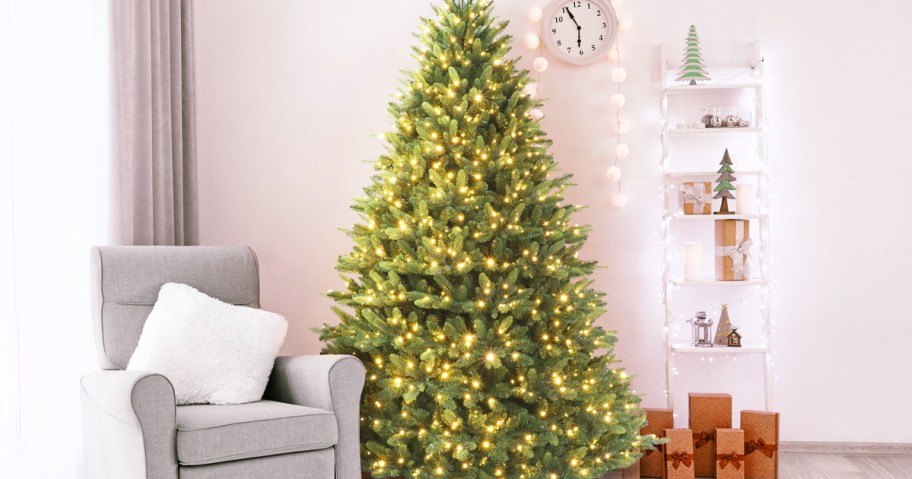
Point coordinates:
[(212, 352)]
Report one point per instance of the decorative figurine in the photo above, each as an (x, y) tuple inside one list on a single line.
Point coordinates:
[(734, 339), (724, 327), (725, 187), (702, 326), (732, 121), (692, 64), (716, 121), (707, 119), (744, 124)]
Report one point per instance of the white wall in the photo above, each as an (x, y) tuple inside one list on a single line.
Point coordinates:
[(290, 93), (53, 206)]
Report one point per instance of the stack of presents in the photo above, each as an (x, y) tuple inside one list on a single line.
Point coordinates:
[(710, 447)]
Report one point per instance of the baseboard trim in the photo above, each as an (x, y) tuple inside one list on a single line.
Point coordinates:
[(861, 448)]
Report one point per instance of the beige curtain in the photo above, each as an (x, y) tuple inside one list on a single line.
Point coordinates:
[(153, 116)]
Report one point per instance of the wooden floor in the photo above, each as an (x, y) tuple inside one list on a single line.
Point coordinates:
[(843, 466), (795, 465)]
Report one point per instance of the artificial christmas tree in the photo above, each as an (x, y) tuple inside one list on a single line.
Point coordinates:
[(465, 297), (692, 64), (724, 186)]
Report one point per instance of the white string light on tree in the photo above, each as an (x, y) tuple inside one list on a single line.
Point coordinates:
[(540, 64)]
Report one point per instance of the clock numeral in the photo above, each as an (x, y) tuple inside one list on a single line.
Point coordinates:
[(558, 19), (593, 47), (602, 37), (604, 25), (568, 49), (558, 43), (553, 30), (581, 53), (577, 4), (598, 13), (589, 5)]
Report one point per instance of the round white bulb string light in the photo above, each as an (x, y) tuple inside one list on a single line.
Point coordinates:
[(621, 149), (618, 100)]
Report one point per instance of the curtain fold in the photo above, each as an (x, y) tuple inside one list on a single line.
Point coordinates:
[(153, 131)]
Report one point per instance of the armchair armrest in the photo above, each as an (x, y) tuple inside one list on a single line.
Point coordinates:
[(331, 382), (129, 425)]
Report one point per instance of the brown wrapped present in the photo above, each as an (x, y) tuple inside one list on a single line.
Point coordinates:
[(679, 459), (652, 464), (733, 245), (761, 444), (729, 453), (708, 412), (696, 198)]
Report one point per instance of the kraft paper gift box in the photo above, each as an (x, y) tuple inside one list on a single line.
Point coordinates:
[(707, 413), (652, 464), (733, 245), (696, 197), (729, 453), (761, 444), (679, 454)]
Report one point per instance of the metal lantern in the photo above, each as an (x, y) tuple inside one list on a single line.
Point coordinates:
[(702, 330)]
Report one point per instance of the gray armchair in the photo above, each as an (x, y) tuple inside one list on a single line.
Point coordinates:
[(306, 426)]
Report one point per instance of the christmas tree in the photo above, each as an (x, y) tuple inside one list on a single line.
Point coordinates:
[(724, 186), (465, 296), (692, 65), (724, 327)]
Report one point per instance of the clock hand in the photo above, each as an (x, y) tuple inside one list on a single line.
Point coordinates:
[(579, 41)]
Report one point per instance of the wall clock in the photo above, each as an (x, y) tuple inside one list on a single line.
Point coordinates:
[(579, 31)]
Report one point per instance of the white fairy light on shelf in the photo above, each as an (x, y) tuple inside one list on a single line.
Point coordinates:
[(618, 75)]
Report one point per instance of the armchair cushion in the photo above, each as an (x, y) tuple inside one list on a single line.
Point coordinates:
[(212, 352), (209, 434)]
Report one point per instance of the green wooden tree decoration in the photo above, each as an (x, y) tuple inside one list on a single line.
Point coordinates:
[(724, 186), (464, 294), (692, 69)]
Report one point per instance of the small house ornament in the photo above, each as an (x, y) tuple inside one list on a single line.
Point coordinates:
[(702, 330), (734, 339)]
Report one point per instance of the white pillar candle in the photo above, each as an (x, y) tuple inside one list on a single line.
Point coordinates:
[(693, 261), (744, 199)]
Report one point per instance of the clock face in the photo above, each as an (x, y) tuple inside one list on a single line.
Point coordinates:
[(580, 31)]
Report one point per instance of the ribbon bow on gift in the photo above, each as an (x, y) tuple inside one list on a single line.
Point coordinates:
[(734, 459), (760, 445), (695, 196), (701, 438), (740, 255), (679, 458)]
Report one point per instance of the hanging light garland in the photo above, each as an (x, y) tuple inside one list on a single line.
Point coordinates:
[(618, 100)]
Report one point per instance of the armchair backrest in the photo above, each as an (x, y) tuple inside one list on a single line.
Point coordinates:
[(126, 280)]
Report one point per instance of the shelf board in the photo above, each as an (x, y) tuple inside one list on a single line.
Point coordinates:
[(682, 217), (718, 350), (712, 131), (678, 175), (711, 87), (712, 282)]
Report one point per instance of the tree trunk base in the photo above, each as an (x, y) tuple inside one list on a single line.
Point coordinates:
[(366, 475)]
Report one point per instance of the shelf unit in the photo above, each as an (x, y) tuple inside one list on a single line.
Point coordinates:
[(744, 81)]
